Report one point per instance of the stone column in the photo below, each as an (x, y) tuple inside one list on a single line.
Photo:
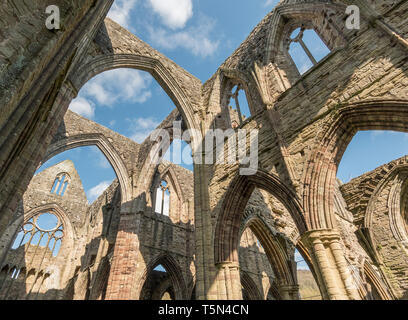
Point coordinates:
[(331, 265), (126, 256), (289, 292), (341, 263), (229, 281), (206, 286)]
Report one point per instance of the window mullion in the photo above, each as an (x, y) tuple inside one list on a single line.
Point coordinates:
[(306, 49), (235, 95), (162, 205)]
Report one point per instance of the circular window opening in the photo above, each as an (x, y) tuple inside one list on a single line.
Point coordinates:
[(28, 227), (47, 222)]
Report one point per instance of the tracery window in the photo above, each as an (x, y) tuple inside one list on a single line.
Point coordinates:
[(163, 198), (15, 273), (238, 102), (44, 230), (306, 48), (61, 183)]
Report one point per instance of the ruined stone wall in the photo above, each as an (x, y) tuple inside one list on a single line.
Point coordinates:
[(35, 62), (376, 200), (253, 259), (27, 45), (305, 123), (84, 262), (38, 261), (301, 134), (89, 270)]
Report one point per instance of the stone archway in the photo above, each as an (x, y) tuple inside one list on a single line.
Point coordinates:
[(228, 224), (249, 288), (319, 185), (175, 276), (151, 65), (227, 230), (276, 251), (103, 144), (321, 167)]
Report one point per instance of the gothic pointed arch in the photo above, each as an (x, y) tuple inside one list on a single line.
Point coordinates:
[(397, 178), (321, 166), (227, 231), (57, 210), (276, 249), (175, 274), (231, 78), (136, 54), (103, 144), (153, 151), (171, 175), (250, 290)]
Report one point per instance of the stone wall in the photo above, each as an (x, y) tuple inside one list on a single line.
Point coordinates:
[(304, 123), (377, 201)]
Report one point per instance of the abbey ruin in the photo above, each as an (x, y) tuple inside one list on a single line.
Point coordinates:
[(218, 234)]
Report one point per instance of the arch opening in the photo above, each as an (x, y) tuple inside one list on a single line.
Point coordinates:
[(308, 287), (269, 216), (162, 280), (232, 211)]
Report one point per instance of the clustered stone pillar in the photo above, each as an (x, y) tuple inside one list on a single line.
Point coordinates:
[(229, 281), (289, 292), (206, 271), (331, 264)]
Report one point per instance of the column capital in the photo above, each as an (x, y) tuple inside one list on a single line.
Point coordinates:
[(321, 235), (228, 264)]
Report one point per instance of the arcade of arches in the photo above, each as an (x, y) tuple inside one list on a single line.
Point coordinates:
[(160, 231)]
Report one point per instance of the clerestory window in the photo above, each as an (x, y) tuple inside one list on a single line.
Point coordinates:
[(239, 103), (306, 49), (163, 198)]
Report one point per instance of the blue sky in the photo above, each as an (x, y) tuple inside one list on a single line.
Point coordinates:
[(198, 35), (369, 150)]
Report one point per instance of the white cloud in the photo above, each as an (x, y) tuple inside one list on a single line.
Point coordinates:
[(119, 85), (83, 107), (140, 128), (96, 191), (271, 2), (174, 13), (100, 159), (196, 39), (120, 12)]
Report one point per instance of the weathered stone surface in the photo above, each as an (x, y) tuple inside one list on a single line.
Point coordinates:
[(352, 236)]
